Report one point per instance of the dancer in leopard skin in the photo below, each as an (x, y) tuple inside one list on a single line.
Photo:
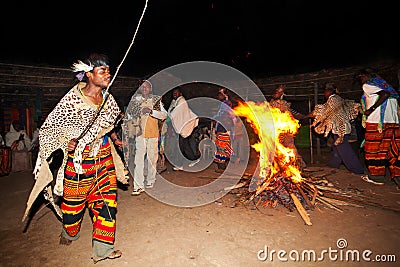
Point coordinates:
[(91, 166)]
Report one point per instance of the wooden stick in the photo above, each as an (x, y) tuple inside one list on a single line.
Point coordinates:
[(329, 204), (314, 195), (265, 203), (275, 203), (326, 188), (361, 201), (263, 187), (304, 196), (229, 188), (340, 202), (301, 210)]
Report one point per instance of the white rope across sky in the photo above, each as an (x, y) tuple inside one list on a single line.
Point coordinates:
[(129, 48), (100, 107)]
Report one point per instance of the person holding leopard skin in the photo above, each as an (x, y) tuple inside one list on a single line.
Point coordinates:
[(334, 117)]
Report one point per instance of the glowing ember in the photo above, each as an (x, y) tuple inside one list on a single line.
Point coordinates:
[(270, 124)]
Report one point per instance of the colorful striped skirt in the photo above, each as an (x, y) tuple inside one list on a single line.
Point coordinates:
[(382, 149), (224, 147), (96, 189)]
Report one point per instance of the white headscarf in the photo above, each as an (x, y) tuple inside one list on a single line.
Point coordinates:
[(13, 135)]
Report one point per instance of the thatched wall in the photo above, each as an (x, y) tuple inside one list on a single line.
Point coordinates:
[(39, 88)]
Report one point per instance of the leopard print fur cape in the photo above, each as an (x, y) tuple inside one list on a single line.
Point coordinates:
[(66, 122), (282, 105), (132, 124), (336, 111)]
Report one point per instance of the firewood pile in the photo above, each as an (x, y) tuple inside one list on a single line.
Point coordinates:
[(314, 191)]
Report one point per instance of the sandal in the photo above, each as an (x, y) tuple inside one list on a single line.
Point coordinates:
[(368, 180), (115, 254)]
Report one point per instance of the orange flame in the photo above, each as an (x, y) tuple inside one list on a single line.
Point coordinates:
[(269, 124)]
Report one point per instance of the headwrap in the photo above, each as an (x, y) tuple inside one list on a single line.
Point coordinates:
[(147, 81)]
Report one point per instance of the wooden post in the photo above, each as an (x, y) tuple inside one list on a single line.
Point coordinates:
[(310, 132), (318, 139)]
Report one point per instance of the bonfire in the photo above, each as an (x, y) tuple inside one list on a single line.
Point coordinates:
[(278, 177)]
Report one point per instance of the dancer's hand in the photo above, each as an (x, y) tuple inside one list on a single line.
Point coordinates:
[(118, 142), (72, 145)]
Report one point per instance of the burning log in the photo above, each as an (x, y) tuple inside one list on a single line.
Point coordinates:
[(304, 196), (284, 191)]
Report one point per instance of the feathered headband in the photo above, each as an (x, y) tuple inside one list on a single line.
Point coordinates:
[(81, 68)]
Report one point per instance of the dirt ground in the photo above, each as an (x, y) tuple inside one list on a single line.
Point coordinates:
[(225, 232)]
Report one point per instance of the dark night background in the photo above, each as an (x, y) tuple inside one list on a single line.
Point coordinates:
[(257, 37)]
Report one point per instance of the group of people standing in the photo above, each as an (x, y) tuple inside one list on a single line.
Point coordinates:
[(82, 125), (379, 109), (146, 125)]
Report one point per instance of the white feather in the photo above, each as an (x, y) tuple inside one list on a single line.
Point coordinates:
[(81, 66)]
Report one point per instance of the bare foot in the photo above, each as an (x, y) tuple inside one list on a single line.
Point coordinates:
[(64, 241)]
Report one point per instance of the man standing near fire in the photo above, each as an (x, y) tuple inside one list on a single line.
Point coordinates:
[(382, 130), (287, 139)]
